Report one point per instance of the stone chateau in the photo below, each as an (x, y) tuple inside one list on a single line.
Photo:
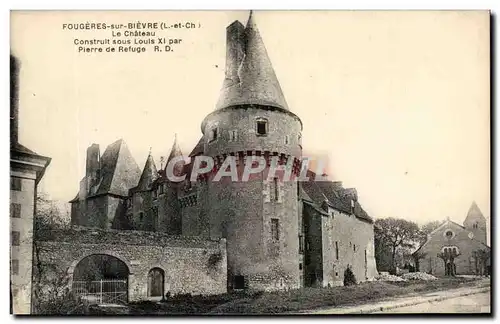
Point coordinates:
[(208, 237)]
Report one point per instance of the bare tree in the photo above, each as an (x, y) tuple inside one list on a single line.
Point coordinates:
[(481, 257), (396, 233)]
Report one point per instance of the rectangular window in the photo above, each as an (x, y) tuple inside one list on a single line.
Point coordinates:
[(15, 210), (15, 184), (336, 250), (301, 243), (15, 237), (15, 267), (239, 282), (300, 266), (233, 135), (262, 127), (287, 139), (275, 229)]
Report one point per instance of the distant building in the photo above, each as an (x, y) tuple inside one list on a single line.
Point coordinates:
[(26, 170), (456, 249), (279, 235)]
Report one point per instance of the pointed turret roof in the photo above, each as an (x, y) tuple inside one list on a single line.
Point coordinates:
[(149, 174), (119, 171), (473, 213), (250, 77), (178, 168), (175, 151)]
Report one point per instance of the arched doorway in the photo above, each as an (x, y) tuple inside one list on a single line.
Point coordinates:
[(101, 279), (156, 282)]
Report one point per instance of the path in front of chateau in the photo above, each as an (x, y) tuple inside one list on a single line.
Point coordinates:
[(474, 299)]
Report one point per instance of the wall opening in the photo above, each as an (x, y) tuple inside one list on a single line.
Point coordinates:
[(101, 279), (156, 282), (239, 282)]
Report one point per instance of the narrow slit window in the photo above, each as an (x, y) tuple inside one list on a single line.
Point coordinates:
[(275, 229), (276, 189)]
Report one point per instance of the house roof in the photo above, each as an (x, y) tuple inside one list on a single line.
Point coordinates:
[(331, 193), (250, 77)]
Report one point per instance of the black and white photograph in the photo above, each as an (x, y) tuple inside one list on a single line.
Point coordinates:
[(250, 162)]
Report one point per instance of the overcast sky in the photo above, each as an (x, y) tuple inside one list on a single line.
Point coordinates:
[(398, 101)]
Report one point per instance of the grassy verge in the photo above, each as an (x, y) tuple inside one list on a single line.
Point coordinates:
[(294, 300)]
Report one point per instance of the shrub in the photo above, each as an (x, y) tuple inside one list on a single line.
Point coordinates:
[(349, 277)]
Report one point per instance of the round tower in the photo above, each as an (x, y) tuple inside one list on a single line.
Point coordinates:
[(259, 217)]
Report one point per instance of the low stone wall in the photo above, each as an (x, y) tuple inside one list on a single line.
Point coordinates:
[(191, 264)]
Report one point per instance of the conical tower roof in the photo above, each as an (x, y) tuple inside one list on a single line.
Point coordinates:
[(175, 151), (149, 174), (178, 167), (250, 77)]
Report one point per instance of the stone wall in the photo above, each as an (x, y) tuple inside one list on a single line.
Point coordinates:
[(356, 248), (22, 198), (188, 262), (332, 231)]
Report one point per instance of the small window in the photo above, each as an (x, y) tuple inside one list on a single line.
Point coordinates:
[(449, 234), (15, 267), (141, 216), (300, 266), (233, 135), (15, 184), (454, 250), (275, 229), (160, 188), (301, 243), (336, 250), (213, 134), (239, 282), (15, 236), (276, 189), (287, 139), (15, 210), (354, 247), (261, 127), (155, 193)]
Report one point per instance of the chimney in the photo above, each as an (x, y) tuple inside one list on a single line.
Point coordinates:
[(14, 99), (93, 166)]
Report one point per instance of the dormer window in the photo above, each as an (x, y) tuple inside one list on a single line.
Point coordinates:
[(261, 127), (213, 134)]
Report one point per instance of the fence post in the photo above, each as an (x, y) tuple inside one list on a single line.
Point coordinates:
[(100, 294)]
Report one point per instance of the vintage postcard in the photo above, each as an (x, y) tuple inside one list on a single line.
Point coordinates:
[(249, 162)]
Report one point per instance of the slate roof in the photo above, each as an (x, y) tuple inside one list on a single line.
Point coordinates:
[(149, 174), (333, 194), (119, 170), (250, 77), (118, 173), (198, 148)]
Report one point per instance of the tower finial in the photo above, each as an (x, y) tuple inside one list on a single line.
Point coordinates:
[(150, 149)]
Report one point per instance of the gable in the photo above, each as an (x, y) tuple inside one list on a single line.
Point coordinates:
[(460, 238)]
